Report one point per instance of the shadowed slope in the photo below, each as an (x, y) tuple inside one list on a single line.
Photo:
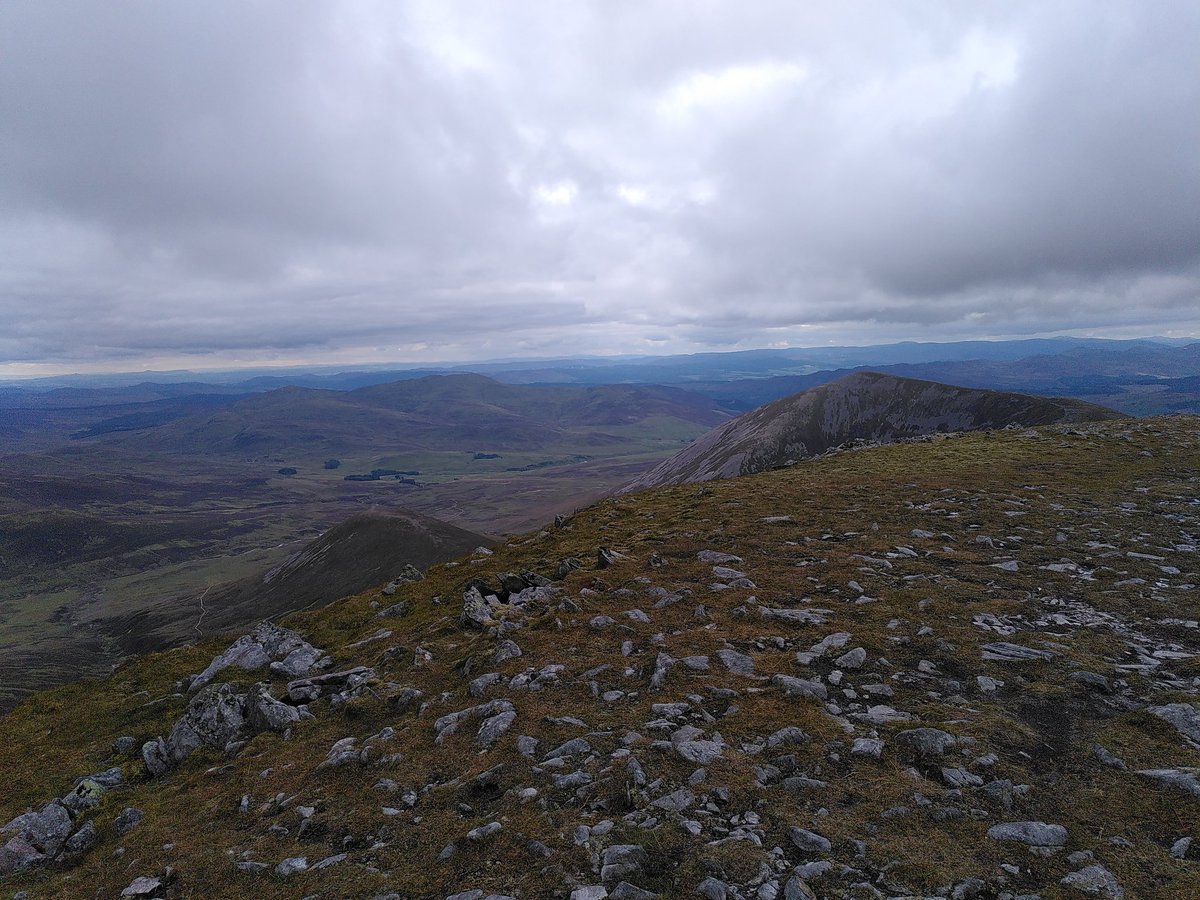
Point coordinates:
[(364, 551)]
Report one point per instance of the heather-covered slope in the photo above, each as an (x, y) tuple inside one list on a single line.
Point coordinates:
[(364, 551), (865, 406), (962, 667)]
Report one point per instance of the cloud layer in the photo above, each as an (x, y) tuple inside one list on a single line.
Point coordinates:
[(276, 182)]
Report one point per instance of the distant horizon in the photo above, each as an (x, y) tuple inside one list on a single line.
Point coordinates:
[(251, 370)]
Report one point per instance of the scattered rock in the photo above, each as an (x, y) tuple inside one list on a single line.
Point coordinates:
[(127, 820), (735, 662), (142, 886), (622, 860), (1183, 779), (800, 687), (1033, 834), (1096, 881), (808, 841), (1185, 718), (293, 865), (924, 745), (475, 610)]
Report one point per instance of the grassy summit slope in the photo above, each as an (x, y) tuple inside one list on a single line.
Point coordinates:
[(1077, 543)]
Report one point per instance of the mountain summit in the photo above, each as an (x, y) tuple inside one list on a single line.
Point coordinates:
[(865, 406)]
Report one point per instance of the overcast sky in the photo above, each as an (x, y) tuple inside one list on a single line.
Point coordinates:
[(215, 183)]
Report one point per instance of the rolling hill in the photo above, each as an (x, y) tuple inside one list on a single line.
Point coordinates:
[(438, 412)]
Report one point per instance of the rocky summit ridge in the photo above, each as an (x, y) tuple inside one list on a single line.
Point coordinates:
[(863, 408), (964, 668)]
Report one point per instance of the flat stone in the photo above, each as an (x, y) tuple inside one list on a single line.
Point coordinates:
[(292, 866), (789, 734), (801, 687), (1095, 881), (881, 714), (626, 891), (1003, 651), (1033, 834), (716, 557), (1183, 779), (808, 841), (1185, 718), (676, 801), (795, 616), (924, 745), (142, 886), (735, 662)]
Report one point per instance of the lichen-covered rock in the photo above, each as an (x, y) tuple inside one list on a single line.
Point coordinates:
[(83, 839), (18, 854), (475, 610), (214, 718), (265, 713), (88, 791)]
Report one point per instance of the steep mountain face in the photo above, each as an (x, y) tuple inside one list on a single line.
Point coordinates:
[(968, 667), (865, 406)]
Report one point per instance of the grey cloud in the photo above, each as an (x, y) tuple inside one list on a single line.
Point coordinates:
[(319, 179)]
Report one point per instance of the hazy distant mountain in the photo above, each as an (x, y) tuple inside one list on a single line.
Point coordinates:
[(439, 412), (867, 406), (1137, 378)]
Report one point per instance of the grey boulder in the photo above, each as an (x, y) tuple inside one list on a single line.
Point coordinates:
[(1095, 881), (1033, 834), (923, 745)]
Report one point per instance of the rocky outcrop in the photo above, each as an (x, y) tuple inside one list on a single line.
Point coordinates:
[(58, 830), (284, 651), (217, 718)]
